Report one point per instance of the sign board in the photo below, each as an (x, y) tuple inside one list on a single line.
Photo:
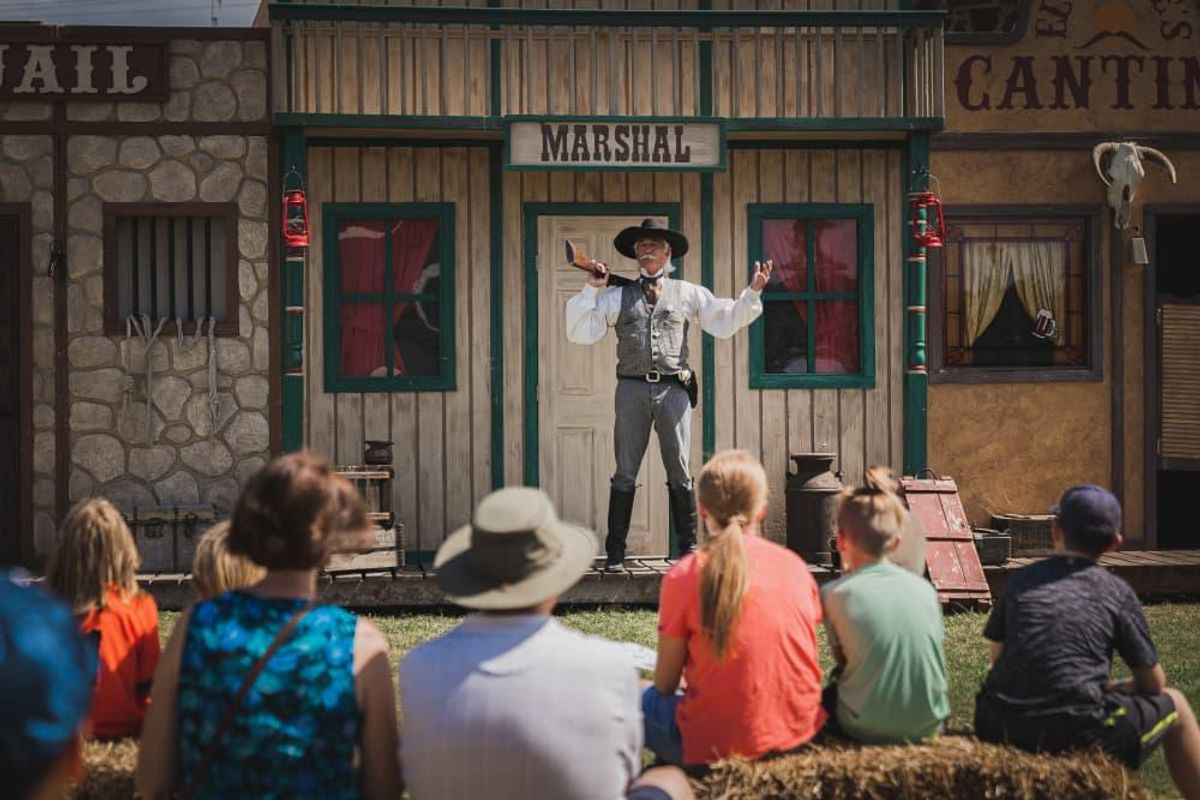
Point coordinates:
[(83, 71), (615, 144)]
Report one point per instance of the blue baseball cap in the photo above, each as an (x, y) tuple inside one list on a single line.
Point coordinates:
[(47, 670), (1088, 507)]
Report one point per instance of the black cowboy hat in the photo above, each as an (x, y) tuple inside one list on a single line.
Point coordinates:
[(650, 227)]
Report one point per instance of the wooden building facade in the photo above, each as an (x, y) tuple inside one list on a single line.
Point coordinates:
[(428, 308), (1102, 390)]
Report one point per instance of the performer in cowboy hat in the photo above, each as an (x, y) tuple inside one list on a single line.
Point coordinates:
[(655, 385)]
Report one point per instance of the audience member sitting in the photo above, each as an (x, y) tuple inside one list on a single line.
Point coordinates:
[(1052, 634), (215, 570), (512, 705), (909, 551), (46, 676), (94, 570), (263, 693), (738, 622), (884, 626)]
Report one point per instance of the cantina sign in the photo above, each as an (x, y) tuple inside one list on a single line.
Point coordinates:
[(624, 144), (1098, 55), (83, 71)]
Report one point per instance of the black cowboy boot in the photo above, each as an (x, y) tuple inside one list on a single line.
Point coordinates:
[(620, 510), (683, 514)]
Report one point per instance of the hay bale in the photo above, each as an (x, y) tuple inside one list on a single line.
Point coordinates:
[(952, 766), (110, 767)]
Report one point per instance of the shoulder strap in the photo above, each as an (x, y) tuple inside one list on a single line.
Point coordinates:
[(231, 709)]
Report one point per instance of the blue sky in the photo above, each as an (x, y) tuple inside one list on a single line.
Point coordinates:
[(130, 12)]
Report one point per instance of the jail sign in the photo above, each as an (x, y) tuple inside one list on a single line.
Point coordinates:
[(629, 143), (83, 71)]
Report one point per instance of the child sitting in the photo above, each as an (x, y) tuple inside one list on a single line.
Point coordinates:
[(1052, 635), (93, 570), (215, 570), (884, 626)]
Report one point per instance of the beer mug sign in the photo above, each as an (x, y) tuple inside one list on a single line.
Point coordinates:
[(1044, 325)]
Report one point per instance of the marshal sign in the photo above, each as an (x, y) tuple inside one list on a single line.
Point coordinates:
[(615, 144), (83, 71)]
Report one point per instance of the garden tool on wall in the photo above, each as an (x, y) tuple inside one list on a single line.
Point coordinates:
[(185, 344), (141, 325)]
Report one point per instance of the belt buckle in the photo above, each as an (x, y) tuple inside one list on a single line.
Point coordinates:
[(653, 376)]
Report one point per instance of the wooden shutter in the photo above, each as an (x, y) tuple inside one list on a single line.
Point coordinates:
[(1180, 381)]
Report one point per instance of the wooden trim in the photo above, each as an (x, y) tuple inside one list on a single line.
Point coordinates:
[(76, 128), (916, 339), (864, 215), (274, 306), (940, 373), (1066, 140), (103, 34), (496, 334), (1180, 464), (24, 531), (1115, 325), (62, 410), (447, 379), (226, 212)]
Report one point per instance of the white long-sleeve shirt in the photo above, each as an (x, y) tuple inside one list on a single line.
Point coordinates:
[(594, 310)]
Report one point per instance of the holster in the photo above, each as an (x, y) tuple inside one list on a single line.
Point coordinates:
[(692, 386)]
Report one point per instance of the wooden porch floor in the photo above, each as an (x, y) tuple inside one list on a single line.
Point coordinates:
[(370, 581)]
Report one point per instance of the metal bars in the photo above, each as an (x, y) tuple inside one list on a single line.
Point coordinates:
[(157, 260)]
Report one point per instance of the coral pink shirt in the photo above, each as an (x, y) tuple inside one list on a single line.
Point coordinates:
[(129, 652), (765, 696)]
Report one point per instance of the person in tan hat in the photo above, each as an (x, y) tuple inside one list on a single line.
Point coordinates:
[(512, 704), (655, 384)]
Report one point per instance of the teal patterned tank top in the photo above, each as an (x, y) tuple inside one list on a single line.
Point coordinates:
[(295, 732)]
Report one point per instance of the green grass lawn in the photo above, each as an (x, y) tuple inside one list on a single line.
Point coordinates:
[(1173, 626)]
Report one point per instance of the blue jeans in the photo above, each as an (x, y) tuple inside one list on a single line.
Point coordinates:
[(662, 733)]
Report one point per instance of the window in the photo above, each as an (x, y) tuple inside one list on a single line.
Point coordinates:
[(981, 21), (389, 292), (816, 328), (172, 262), (1014, 295)]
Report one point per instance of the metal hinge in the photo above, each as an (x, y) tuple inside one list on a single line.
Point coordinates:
[(1158, 315)]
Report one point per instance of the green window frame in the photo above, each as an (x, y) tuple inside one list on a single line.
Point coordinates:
[(863, 215), (333, 214)]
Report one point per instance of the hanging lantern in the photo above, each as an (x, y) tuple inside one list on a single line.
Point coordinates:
[(930, 232), (295, 212)]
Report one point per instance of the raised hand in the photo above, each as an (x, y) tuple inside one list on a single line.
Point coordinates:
[(599, 276), (762, 274)]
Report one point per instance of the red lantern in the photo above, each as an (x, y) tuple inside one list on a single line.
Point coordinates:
[(295, 213), (934, 232)]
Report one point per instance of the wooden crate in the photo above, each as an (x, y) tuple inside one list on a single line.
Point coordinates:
[(166, 536), (1030, 532)]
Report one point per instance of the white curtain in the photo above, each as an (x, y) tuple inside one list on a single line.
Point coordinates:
[(985, 279), (1040, 274)]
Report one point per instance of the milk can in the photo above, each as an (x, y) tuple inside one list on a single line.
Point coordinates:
[(812, 491)]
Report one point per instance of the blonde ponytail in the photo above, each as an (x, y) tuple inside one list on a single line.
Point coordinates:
[(732, 489)]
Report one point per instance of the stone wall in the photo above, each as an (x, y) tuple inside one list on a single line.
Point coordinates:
[(191, 455)]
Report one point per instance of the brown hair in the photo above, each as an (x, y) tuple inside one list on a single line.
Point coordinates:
[(215, 570), (292, 511), (732, 489), (871, 516), (97, 551)]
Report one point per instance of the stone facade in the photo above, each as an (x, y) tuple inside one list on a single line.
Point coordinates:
[(191, 451)]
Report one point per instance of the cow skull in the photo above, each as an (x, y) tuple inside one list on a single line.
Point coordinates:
[(1124, 172)]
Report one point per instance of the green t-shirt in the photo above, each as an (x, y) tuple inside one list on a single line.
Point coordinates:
[(888, 624)]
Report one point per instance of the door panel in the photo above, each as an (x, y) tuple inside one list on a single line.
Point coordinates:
[(10, 387), (576, 386)]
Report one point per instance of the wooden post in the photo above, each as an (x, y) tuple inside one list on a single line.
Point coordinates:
[(916, 376), (293, 153)]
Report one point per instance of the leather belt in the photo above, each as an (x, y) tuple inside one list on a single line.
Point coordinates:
[(654, 376)]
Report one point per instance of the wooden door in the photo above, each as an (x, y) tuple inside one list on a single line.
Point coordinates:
[(10, 388), (575, 394)]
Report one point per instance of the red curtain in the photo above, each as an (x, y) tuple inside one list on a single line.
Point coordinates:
[(836, 244), (785, 241), (361, 258), (412, 244)]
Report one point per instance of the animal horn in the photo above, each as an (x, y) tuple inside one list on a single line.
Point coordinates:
[(1162, 160), (1097, 153)]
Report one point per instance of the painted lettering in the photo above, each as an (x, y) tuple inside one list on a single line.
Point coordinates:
[(1122, 78), (1067, 80), (683, 155), (579, 148), (662, 150), (621, 137), (123, 81), (39, 67), (1191, 81), (1021, 80), (554, 143), (1162, 83), (641, 143), (83, 68), (962, 82), (1052, 19), (600, 147)]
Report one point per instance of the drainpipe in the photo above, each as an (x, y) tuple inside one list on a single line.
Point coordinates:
[(916, 375)]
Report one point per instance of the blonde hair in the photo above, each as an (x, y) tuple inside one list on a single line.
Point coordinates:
[(97, 552), (732, 489), (871, 516), (215, 570)]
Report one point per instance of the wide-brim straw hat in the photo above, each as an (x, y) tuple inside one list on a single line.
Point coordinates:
[(515, 553), (627, 238)]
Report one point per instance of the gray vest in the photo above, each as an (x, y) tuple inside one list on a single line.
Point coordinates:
[(651, 341)]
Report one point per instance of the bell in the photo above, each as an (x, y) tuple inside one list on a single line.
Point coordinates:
[(295, 218)]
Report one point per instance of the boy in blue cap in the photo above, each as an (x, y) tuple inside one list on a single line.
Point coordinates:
[(46, 675), (1052, 634)]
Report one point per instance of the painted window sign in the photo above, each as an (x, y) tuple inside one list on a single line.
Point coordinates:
[(817, 300), (83, 71), (1016, 293), (391, 322), (625, 144)]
